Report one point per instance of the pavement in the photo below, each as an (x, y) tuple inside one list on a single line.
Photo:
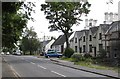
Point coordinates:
[(7, 71), (108, 73)]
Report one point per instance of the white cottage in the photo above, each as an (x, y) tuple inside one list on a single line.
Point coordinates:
[(60, 43)]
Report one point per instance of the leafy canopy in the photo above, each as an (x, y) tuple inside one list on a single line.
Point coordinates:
[(14, 21), (63, 15), (30, 42)]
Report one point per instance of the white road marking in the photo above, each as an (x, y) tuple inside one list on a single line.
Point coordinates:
[(32, 63), (14, 72), (42, 67), (58, 73)]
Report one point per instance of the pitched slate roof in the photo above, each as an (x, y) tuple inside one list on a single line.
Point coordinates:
[(79, 33), (86, 32), (94, 29), (45, 42), (115, 24), (61, 39), (105, 27)]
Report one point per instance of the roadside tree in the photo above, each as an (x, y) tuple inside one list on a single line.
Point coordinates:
[(63, 15)]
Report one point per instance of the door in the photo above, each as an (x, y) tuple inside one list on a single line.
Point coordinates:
[(62, 48), (95, 51)]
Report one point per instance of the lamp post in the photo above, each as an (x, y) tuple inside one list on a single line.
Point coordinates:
[(43, 47)]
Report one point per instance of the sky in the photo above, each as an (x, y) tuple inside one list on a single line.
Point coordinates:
[(98, 8)]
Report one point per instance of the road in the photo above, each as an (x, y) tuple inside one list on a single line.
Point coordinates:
[(31, 66)]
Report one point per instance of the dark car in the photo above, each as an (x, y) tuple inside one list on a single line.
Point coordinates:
[(52, 53)]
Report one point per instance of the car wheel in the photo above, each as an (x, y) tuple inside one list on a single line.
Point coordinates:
[(59, 56), (47, 56)]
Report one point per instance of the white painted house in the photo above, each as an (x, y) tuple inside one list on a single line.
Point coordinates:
[(60, 43), (91, 40), (75, 41), (48, 45)]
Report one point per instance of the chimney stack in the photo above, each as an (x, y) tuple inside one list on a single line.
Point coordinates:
[(115, 16), (106, 16), (110, 17), (94, 22), (91, 22)]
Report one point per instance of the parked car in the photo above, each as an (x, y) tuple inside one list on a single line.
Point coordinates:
[(52, 53), (2, 53), (18, 52), (7, 53)]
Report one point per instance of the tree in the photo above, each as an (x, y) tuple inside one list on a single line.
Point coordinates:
[(63, 15), (30, 41), (13, 21)]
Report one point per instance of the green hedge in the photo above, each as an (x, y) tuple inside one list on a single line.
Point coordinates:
[(68, 52), (77, 57), (87, 55)]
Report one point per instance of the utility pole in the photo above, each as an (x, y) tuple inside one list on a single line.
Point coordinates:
[(43, 47)]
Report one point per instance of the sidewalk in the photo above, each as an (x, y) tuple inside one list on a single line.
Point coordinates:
[(108, 73), (7, 72)]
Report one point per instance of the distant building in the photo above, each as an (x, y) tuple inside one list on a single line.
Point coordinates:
[(45, 45)]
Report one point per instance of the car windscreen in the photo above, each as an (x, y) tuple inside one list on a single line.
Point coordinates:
[(51, 52)]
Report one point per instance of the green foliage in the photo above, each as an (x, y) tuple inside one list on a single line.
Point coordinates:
[(102, 53), (63, 15), (68, 52), (30, 41), (87, 55), (13, 22), (77, 57)]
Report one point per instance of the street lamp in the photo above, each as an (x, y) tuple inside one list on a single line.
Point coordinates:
[(43, 47)]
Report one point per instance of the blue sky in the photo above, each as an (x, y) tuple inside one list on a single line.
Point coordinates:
[(98, 9)]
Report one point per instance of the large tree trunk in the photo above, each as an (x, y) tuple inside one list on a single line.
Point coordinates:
[(67, 41)]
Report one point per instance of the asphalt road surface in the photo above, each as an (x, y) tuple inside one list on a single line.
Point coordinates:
[(31, 66)]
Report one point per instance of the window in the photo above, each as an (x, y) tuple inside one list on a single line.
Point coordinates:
[(83, 38), (119, 35), (100, 47), (90, 24), (90, 48), (75, 40), (80, 49), (83, 48), (75, 48), (90, 38), (100, 36)]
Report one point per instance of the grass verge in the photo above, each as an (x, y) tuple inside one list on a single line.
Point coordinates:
[(91, 65)]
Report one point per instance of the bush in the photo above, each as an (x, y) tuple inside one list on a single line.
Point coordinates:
[(102, 53), (68, 52), (87, 55), (77, 57)]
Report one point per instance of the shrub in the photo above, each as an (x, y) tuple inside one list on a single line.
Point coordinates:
[(87, 55), (68, 52), (77, 57), (102, 53)]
